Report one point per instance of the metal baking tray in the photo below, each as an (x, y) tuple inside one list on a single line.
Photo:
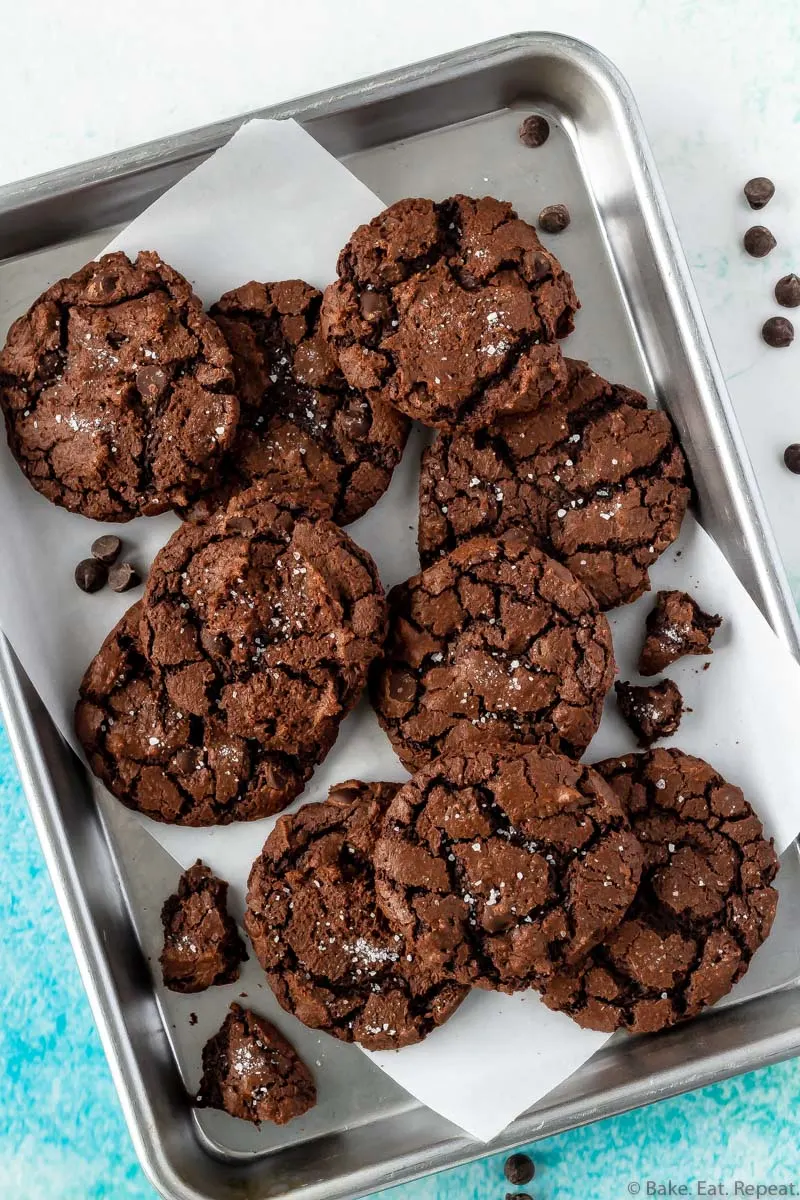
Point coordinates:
[(438, 127)]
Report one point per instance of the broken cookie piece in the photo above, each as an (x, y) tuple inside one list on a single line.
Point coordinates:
[(250, 1071), (652, 712), (202, 945), (676, 626)]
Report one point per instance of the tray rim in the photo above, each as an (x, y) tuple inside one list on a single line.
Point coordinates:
[(772, 1044)]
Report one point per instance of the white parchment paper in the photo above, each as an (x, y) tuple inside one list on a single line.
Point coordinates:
[(270, 205)]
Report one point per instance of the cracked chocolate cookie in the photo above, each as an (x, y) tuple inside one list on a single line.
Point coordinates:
[(202, 945), (118, 390), (596, 477), (503, 867), (495, 642), (329, 954), (252, 1072), (704, 905), (676, 625), (302, 428), (449, 311), (266, 617), (159, 760)]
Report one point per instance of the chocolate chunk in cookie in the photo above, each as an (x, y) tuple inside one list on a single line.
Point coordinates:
[(159, 760), (252, 1072), (676, 625), (495, 642), (503, 867), (202, 945), (449, 311), (651, 712), (596, 477), (118, 390), (704, 905), (329, 954), (265, 618), (302, 427)]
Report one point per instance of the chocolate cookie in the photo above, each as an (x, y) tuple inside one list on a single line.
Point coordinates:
[(704, 906), (266, 618), (252, 1072), (159, 760), (495, 642), (449, 310), (329, 954), (596, 477), (302, 427), (505, 866), (118, 390), (651, 712), (676, 625), (202, 945)]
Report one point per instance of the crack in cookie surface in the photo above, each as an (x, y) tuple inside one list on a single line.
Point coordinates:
[(596, 477), (118, 390)]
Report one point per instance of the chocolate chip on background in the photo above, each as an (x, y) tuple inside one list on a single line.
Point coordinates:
[(759, 191), (91, 575), (123, 576), (791, 457), (106, 548), (554, 218), (518, 1196), (758, 241), (519, 1169), (778, 331), (534, 132), (787, 291)]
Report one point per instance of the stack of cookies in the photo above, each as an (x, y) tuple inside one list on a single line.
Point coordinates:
[(630, 894)]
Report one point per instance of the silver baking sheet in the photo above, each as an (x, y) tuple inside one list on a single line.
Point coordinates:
[(432, 129)]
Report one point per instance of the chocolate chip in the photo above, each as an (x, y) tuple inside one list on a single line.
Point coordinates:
[(518, 1196), (554, 219), (373, 305), (192, 1018), (122, 577), (519, 1169), (787, 291), (106, 548), (534, 132), (90, 575), (274, 776), (778, 331), (356, 424), (758, 241), (240, 525), (791, 456), (759, 191), (151, 381)]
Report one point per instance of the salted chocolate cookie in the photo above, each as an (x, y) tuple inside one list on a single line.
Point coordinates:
[(676, 625), (704, 905), (302, 427), (596, 477), (505, 866), (159, 760), (252, 1072), (118, 390), (650, 712), (449, 311), (202, 945), (329, 954), (495, 642), (266, 618)]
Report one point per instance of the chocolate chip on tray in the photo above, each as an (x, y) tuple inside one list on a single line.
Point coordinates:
[(534, 132), (519, 1169), (758, 241), (759, 191), (791, 457), (106, 548), (787, 291), (778, 331), (554, 218), (123, 576), (90, 575)]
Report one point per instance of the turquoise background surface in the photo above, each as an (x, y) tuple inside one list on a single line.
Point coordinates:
[(62, 1135)]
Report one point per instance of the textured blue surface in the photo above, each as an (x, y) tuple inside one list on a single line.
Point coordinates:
[(62, 1136)]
